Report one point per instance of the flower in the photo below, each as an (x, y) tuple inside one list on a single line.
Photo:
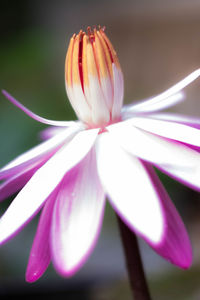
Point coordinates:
[(111, 151)]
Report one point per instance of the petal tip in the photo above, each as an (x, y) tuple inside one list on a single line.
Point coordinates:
[(67, 271), (183, 262), (180, 255), (32, 276), (187, 262)]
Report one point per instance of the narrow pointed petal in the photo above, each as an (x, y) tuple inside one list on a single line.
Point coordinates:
[(40, 256), (34, 116), (177, 118), (129, 188), (77, 216), (43, 182), (152, 104), (175, 245), (167, 129), (37, 153), (175, 159), (166, 99)]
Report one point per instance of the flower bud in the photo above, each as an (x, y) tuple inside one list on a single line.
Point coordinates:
[(94, 80)]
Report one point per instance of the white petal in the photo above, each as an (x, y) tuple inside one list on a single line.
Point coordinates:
[(43, 182), (118, 82), (41, 150), (186, 175), (178, 118), (107, 91), (171, 130), (154, 104), (100, 112), (172, 157), (77, 216), (129, 188), (79, 102)]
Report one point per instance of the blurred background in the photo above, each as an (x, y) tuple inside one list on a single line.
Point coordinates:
[(158, 43)]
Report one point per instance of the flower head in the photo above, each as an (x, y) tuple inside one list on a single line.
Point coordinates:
[(93, 77), (109, 152)]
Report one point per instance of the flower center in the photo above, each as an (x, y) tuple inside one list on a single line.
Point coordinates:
[(93, 77)]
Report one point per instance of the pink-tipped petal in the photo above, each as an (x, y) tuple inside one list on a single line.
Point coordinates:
[(129, 188), (175, 245), (37, 153), (166, 99), (40, 256), (174, 158), (167, 129), (15, 183), (34, 116), (77, 216), (43, 182), (50, 132)]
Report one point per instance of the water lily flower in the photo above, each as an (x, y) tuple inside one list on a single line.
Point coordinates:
[(110, 152)]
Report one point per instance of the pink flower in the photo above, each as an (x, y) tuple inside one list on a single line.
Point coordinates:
[(110, 152)]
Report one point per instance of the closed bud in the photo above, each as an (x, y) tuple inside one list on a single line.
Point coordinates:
[(94, 80)]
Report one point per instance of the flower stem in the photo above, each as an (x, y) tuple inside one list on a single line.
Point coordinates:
[(135, 269)]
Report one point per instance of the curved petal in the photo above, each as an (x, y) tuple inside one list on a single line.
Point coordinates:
[(177, 118), (165, 99), (77, 216), (153, 104), (175, 159), (37, 153), (129, 188), (40, 256), (34, 116), (175, 245), (170, 130), (43, 182)]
